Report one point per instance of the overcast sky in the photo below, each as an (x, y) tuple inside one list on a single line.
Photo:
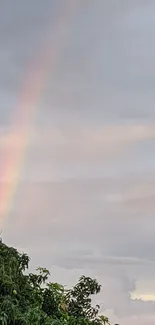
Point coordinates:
[(85, 200)]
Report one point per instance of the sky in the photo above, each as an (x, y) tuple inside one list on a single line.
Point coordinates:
[(84, 200)]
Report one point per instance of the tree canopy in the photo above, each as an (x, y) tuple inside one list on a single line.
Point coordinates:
[(30, 299)]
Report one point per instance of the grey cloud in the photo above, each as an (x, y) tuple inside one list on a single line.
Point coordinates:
[(117, 79), (92, 91), (24, 28), (78, 207), (79, 151), (71, 261)]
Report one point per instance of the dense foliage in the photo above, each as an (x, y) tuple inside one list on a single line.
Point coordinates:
[(29, 299)]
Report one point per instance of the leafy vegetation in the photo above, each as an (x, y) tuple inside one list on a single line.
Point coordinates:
[(30, 299)]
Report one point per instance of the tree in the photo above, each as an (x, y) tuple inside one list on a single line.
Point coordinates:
[(29, 299), (105, 320)]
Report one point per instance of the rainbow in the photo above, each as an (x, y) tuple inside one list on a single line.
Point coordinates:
[(26, 111)]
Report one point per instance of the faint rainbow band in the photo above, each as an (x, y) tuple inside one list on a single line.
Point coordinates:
[(26, 111)]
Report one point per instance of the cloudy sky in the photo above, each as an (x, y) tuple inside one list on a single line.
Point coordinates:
[(84, 200)]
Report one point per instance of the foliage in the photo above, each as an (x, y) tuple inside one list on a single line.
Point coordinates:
[(29, 299)]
